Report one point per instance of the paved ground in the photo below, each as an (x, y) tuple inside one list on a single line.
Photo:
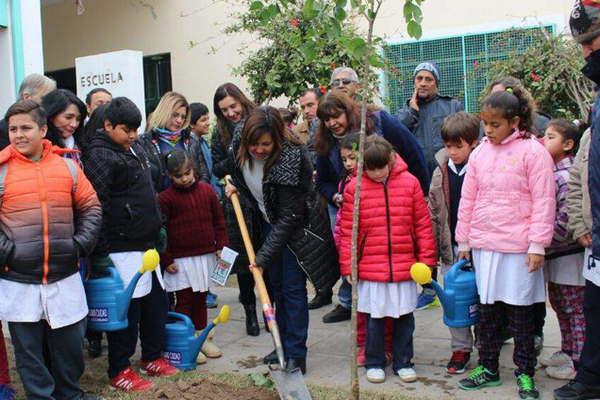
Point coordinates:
[(329, 355)]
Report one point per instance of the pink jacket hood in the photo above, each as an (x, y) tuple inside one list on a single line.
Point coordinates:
[(508, 197)]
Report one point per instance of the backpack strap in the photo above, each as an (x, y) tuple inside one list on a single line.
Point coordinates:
[(3, 172), (72, 169)]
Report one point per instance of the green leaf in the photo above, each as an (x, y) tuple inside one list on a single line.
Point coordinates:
[(408, 10), (256, 5), (268, 13), (414, 29), (261, 380), (376, 61), (308, 11), (340, 14), (341, 3), (308, 50)]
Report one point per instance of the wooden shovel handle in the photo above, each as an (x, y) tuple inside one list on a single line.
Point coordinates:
[(256, 272)]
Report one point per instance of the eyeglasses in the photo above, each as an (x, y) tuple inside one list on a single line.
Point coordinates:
[(342, 82)]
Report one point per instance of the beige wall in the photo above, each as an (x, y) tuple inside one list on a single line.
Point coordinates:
[(159, 26)]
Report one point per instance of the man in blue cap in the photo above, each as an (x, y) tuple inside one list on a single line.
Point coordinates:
[(423, 114)]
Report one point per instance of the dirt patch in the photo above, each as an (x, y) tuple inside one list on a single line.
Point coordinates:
[(250, 362), (200, 388)]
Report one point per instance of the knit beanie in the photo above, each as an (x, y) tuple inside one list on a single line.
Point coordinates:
[(428, 66), (585, 20)]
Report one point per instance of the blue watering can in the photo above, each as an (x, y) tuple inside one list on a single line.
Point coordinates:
[(108, 301), (459, 297), (182, 345)]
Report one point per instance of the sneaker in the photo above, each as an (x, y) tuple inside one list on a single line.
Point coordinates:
[(407, 375), (556, 359), (7, 392), (375, 375), (361, 358), (158, 367), (426, 301), (458, 362), (338, 314), (527, 389), (577, 391), (479, 378), (538, 344), (129, 381), (211, 300), (565, 372)]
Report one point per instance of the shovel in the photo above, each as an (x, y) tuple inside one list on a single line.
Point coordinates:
[(290, 385)]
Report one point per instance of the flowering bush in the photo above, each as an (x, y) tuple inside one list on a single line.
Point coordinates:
[(551, 69), (304, 43)]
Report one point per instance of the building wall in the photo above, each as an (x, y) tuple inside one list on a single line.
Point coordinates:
[(191, 29)]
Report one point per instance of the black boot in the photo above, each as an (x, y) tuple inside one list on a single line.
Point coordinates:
[(252, 327), (321, 299)]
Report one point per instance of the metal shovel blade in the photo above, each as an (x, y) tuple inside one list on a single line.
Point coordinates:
[(290, 385)]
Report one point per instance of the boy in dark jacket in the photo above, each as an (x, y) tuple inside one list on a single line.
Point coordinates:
[(120, 171), (459, 132), (49, 216)]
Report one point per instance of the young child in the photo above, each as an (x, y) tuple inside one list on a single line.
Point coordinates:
[(196, 234), (43, 299), (120, 171), (459, 132), (564, 258), (506, 218), (349, 155), (394, 232)]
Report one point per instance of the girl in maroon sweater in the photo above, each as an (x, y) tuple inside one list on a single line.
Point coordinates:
[(196, 234)]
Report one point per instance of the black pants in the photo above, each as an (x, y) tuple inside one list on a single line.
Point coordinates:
[(588, 372), (147, 315), (55, 378), (402, 346), (246, 285)]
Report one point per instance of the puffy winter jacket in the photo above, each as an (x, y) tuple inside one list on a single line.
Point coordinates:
[(594, 181), (508, 197), (47, 218), (439, 208), (578, 194), (394, 227), (298, 221)]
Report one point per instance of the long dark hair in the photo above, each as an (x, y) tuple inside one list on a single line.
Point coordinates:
[(55, 103), (511, 104), (223, 124), (93, 127), (261, 120), (332, 105)]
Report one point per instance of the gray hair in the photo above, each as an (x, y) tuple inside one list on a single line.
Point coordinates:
[(339, 70), (34, 83)]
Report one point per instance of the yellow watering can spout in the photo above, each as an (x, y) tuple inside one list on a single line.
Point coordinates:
[(150, 261), (420, 273), (223, 316)]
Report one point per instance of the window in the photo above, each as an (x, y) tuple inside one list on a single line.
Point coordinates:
[(462, 60)]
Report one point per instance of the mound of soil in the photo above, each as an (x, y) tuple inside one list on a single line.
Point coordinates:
[(203, 389)]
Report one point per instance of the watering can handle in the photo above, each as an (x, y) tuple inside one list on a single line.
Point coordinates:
[(184, 318)]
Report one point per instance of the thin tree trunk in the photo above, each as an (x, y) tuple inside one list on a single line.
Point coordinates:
[(373, 8)]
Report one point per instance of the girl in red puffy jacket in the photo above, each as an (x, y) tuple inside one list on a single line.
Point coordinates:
[(394, 232)]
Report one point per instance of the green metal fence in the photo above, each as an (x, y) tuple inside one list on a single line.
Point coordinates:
[(463, 61)]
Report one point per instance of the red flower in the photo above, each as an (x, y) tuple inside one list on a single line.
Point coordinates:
[(295, 22), (332, 66), (475, 64), (323, 89), (535, 77)]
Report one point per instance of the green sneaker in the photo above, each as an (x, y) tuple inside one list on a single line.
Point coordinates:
[(479, 378), (527, 389)]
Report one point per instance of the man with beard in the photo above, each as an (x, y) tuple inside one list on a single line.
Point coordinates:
[(585, 27)]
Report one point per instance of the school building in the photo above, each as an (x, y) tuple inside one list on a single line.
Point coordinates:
[(184, 47)]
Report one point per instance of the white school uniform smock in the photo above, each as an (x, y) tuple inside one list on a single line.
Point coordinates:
[(194, 272), (504, 277), (566, 270), (387, 299), (130, 262), (61, 303)]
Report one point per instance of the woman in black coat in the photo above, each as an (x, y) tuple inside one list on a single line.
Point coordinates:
[(290, 229)]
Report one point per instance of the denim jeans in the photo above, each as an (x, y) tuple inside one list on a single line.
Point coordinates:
[(345, 290), (403, 351)]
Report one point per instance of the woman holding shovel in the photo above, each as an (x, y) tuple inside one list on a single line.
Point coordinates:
[(289, 230)]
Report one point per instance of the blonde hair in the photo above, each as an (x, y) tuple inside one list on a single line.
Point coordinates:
[(165, 108)]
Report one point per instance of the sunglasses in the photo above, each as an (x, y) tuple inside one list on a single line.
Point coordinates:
[(342, 82)]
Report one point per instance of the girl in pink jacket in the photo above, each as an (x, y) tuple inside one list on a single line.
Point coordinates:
[(505, 220)]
